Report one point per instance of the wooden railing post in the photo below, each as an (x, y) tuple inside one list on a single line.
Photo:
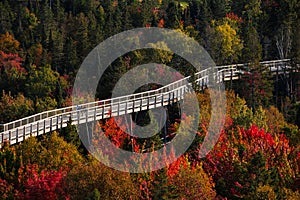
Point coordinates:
[(51, 124), (148, 102), (61, 121), (103, 112), (37, 128), (86, 115), (78, 117), (30, 130), (24, 131), (9, 136), (231, 77), (118, 108), (57, 118), (133, 106), (17, 135), (44, 126)]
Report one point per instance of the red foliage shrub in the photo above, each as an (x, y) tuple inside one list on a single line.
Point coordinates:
[(11, 61), (43, 185), (246, 158), (234, 17)]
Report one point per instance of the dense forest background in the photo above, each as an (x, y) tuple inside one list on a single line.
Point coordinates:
[(43, 43)]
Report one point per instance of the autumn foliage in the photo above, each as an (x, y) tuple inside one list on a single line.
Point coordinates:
[(43, 185), (245, 159), (42, 46), (10, 62)]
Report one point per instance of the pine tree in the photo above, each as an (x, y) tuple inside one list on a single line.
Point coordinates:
[(117, 19), (146, 12), (70, 58), (218, 8), (127, 20), (48, 26), (58, 11), (81, 36), (173, 15), (93, 33), (258, 82), (6, 17), (70, 134), (252, 51), (109, 21)]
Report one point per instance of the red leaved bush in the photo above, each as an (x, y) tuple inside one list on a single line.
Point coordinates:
[(32, 184), (43, 185), (234, 17), (11, 61), (174, 167), (243, 158), (113, 129)]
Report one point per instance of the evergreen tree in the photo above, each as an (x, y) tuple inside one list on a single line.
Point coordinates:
[(117, 19), (81, 36), (59, 94), (109, 20), (218, 8), (127, 20), (26, 23), (58, 11), (201, 16), (252, 51), (7, 17), (146, 12), (173, 15), (48, 24), (37, 77), (70, 135), (70, 58), (258, 81), (95, 36)]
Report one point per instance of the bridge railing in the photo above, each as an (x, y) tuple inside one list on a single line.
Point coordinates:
[(55, 122), (73, 110)]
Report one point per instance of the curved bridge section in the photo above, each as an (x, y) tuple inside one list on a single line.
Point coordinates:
[(41, 123)]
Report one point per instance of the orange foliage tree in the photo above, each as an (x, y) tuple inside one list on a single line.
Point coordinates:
[(8, 43)]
